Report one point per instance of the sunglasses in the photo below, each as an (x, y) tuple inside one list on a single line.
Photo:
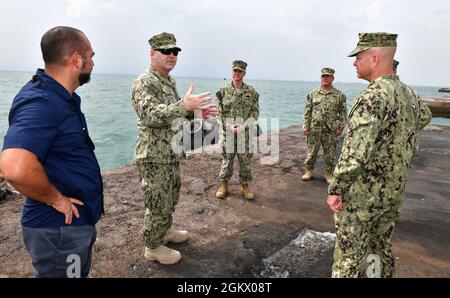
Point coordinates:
[(173, 51)]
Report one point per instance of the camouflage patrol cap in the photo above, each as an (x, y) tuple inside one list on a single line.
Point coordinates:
[(327, 71), (369, 40), (239, 64), (163, 41)]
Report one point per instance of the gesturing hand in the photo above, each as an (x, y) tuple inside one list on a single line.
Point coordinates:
[(196, 102), (67, 206)]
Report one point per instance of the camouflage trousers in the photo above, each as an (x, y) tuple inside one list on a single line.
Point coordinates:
[(244, 158), (161, 185), (363, 241), (245, 172), (326, 139)]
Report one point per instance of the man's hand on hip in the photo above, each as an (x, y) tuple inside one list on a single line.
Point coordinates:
[(25, 173), (67, 206)]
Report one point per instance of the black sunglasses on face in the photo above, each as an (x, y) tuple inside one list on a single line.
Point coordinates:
[(174, 51)]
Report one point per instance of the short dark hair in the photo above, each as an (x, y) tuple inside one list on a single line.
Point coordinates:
[(60, 42)]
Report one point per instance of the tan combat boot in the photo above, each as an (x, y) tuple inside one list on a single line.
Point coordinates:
[(223, 191), (163, 255), (176, 236), (246, 192), (328, 176), (308, 175)]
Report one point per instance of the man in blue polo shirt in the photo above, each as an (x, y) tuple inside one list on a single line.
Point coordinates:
[(49, 157)]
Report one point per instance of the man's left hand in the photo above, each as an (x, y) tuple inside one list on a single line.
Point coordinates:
[(335, 203), (338, 133)]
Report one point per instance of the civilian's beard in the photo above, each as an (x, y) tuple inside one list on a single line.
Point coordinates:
[(84, 78)]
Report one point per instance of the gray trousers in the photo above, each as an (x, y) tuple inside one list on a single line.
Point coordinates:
[(62, 252)]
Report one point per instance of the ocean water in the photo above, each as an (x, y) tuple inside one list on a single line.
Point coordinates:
[(106, 103)]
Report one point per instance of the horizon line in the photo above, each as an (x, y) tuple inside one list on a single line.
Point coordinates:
[(227, 79)]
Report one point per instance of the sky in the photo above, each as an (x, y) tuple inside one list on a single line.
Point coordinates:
[(280, 39)]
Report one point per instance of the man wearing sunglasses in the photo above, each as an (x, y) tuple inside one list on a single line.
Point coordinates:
[(157, 105)]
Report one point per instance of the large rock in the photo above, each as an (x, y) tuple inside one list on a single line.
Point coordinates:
[(309, 255)]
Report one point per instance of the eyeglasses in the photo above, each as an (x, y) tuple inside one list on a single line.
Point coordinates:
[(174, 51)]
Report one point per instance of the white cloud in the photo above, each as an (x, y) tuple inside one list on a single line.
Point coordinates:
[(73, 10), (283, 39), (79, 8)]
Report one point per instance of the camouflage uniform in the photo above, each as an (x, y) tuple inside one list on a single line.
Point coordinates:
[(325, 113), (236, 106), (157, 103), (371, 172), (2, 187)]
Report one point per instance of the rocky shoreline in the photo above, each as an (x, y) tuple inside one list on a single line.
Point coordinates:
[(286, 232)]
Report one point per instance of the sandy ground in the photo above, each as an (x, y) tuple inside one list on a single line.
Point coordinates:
[(271, 236)]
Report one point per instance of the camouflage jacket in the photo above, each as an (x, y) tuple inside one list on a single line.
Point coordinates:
[(157, 103), (380, 143), (2, 180), (237, 105), (325, 110)]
